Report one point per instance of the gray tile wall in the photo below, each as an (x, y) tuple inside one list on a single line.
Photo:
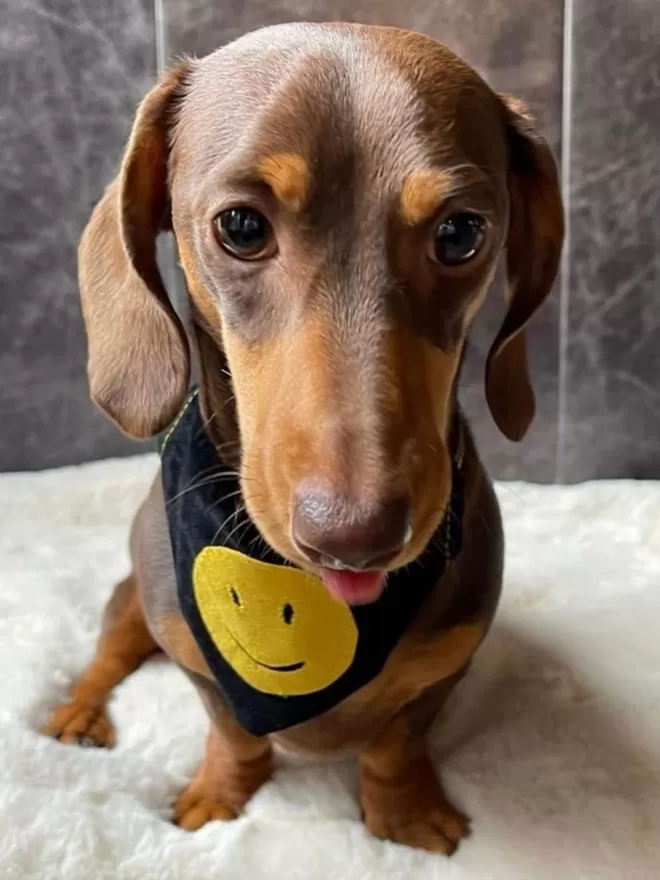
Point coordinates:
[(75, 71), (611, 342), (72, 74)]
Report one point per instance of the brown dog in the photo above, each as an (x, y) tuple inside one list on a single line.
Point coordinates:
[(340, 197)]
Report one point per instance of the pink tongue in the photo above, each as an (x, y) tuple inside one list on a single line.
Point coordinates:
[(354, 587)]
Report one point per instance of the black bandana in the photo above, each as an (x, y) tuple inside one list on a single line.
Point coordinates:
[(281, 649)]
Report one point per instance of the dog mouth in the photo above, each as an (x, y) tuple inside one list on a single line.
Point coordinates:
[(354, 587)]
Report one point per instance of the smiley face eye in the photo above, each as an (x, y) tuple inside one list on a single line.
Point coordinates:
[(458, 238), (235, 597), (287, 613), (244, 233)]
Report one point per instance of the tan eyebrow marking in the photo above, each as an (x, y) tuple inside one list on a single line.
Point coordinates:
[(425, 190), (288, 176)]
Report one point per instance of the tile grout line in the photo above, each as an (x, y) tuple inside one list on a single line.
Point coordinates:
[(159, 36), (564, 272), (169, 253)]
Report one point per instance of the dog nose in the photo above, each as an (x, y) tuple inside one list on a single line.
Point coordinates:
[(334, 532)]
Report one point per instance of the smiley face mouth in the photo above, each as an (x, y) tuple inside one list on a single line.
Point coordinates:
[(291, 667)]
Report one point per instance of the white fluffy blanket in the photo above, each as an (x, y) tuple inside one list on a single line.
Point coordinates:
[(553, 746)]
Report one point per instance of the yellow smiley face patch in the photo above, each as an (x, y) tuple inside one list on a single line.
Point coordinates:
[(277, 627)]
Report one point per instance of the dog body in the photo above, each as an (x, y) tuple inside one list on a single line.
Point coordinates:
[(340, 196), (436, 648)]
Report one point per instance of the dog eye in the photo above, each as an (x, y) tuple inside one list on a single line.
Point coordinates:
[(458, 238), (244, 233)]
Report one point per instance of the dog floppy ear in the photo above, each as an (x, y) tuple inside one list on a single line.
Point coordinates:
[(138, 362), (535, 237)]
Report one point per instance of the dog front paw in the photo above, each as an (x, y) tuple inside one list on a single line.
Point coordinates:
[(80, 724), (412, 810), (196, 806)]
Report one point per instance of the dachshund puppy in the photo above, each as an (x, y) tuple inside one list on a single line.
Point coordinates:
[(322, 551)]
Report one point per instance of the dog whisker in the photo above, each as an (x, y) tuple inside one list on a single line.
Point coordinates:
[(240, 508), (246, 526), (207, 481), (239, 524), (221, 500)]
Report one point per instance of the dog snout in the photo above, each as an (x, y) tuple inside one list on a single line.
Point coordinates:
[(334, 531)]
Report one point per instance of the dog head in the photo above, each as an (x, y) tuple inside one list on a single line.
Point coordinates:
[(340, 196)]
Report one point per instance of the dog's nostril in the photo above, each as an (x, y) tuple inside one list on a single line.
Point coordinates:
[(333, 531)]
